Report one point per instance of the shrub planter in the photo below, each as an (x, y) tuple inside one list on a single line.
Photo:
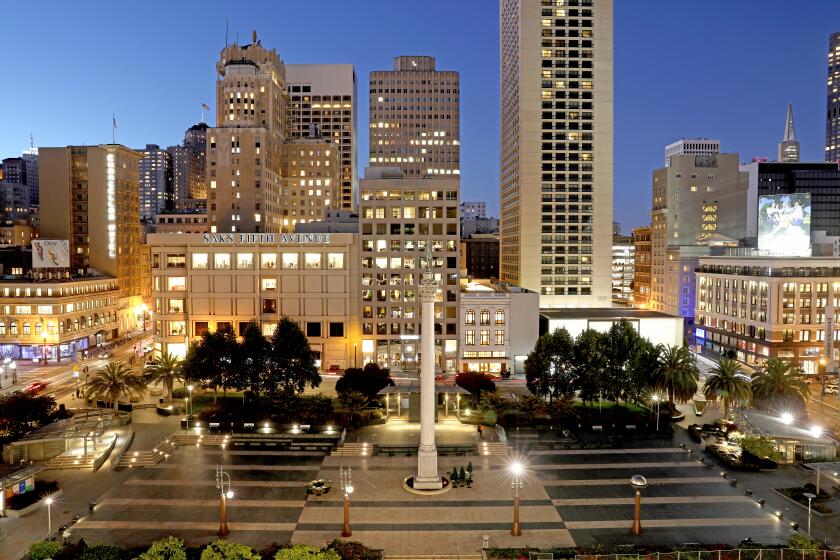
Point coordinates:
[(803, 506), (31, 508)]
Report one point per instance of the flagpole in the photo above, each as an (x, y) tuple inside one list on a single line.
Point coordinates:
[(113, 129)]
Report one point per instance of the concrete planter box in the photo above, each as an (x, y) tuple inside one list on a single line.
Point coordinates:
[(32, 508)]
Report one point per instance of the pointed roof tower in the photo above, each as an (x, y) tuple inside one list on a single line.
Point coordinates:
[(788, 150)]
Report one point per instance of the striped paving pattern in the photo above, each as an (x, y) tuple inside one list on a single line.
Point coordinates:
[(684, 502)]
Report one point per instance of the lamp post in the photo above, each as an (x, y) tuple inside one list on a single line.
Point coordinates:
[(787, 420), (224, 495), (48, 501), (816, 432), (638, 483), (76, 379), (13, 365), (810, 497), (45, 348), (355, 354), (656, 400), (346, 480), (822, 378), (189, 403), (517, 470)]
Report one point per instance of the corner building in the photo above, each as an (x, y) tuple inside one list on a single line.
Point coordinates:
[(222, 281), (556, 181), (399, 216)]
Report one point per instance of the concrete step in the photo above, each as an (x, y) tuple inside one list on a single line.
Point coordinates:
[(433, 557), (353, 450), (71, 462), (193, 439), (137, 459), (493, 448)]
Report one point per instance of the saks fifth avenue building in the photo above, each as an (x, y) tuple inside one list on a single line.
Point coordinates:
[(221, 281)]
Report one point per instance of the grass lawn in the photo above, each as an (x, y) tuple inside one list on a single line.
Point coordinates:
[(202, 401), (609, 406)]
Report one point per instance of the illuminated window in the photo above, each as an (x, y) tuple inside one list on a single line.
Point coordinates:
[(470, 317), (500, 317), (312, 261), (469, 338), (199, 261), (335, 261), (244, 261), (290, 260), (176, 283), (485, 316), (268, 260), (221, 261)]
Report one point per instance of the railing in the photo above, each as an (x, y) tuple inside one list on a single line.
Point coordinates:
[(99, 461), (129, 438)]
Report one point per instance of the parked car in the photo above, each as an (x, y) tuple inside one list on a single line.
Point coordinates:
[(832, 390)]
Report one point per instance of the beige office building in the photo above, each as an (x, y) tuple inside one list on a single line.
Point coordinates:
[(556, 180), (244, 149), (769, 307), (91, 196), (415, 118), (699, 200), (399, 216), (641, 266), (322, 105), (221, 281), (311, 181)]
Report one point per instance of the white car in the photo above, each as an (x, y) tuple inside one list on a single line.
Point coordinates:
[(832, 390)]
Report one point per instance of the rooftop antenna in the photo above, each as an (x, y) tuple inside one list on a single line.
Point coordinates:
[(31, 141), (227, 24)]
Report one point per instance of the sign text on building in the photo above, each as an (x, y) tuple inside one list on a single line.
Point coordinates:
[(283, 238)]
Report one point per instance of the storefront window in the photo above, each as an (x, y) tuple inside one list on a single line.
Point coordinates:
[(176, 283), (313, 261), (335, 261), (244, 261), (268, 260), (199, 261), (290, 260), (177, 328), (221, 261)]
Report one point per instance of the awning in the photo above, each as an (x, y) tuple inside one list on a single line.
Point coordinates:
[(413, 386)]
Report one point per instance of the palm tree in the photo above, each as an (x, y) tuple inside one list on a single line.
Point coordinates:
[(113, 381), (676, 373), (779, 384), (728, 383), (166, 370)]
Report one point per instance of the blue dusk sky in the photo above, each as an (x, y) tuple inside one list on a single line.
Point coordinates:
[(714, 68)]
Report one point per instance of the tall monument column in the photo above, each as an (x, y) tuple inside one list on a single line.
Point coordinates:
[(427, 477)]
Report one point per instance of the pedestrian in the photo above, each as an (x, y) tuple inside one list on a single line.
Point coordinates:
[(480, 434)]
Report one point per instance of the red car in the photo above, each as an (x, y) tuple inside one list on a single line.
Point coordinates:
[(35, 387)]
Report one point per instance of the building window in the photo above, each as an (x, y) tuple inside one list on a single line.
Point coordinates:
[(177, 328), (313, 329), (176, 283), (268, 261), (13, 328), (221, 261), (2, 328), (201, 328), (312, 261), (469, 338), (290, 260), (485, 316), (244, 261), (469, 318), (176, 261), (500, 338), (175, 306), (269, 306), (268, 284), (337, 330), (484, 339), (500, 317), (27, 329), (39, 327), (335, 261)]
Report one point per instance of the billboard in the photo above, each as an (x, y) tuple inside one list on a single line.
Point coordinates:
[(784, 224), (50, 253)]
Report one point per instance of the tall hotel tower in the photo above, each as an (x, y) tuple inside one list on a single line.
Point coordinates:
[(556, 180), (832, 114), (415, 118), (244, 149)]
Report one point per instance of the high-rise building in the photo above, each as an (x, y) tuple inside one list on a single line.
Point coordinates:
[(322, 105), (788, 149), (698, 201), (641, 266), (480, 256), (820, 180), (156, 181), (195, 156), (832, 113), (243, 150), (415, 118), (310, 181), (92, 198), (623, 265), (18, 180), (556, 180), (398, 217), (691, 147), (473, 209)]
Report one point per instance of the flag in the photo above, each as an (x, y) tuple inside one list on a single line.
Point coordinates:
[(205, 106)]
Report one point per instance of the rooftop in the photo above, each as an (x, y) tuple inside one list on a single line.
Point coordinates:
[(614, 313)]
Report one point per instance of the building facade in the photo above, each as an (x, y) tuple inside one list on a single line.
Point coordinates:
[(244, 149), (156, 182), (641, 266), (768, 307), (311, 181), (480, 256), (92, 198), (415, 118), (323, 106), (181, 223), (556, 180), (473, 209), (691, 147), (399, 217), (499, 326), (623, 267), (216, 281), (832, 111)]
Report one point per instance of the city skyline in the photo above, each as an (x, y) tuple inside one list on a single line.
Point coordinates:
[(747, 116)]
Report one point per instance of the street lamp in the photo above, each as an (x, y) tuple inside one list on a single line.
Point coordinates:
[(224, 495), (638, 483), (787, 420), (656, 400), (810, 497), (189, 406), (346, 479), (517, 470), (45, 348), (13, 365), (76, 379), (822, 378), (355, 354), (48, 501)]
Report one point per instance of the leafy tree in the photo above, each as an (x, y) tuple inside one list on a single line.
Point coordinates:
[(305, 552), (727, 383), (113, 381), (368, 381), (20, 413), (166, 370), (779, 385), (532, 406), (226, 550), (619, 345), (254, 370), (562, 411), (644, 361), (351, 550), (41, 550), (354, 402), (810, 548), (549, 368), (492, 401), (590, 364), (761, 447), (475, 382), (170, 548), (676, 374), (292, 362), (211, 362)]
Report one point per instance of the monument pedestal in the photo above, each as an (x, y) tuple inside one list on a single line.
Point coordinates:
[(427, 477)]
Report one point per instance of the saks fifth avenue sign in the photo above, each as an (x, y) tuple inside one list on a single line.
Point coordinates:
[(281, 238)]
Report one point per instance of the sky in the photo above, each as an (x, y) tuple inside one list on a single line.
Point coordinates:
[(697, 68)]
